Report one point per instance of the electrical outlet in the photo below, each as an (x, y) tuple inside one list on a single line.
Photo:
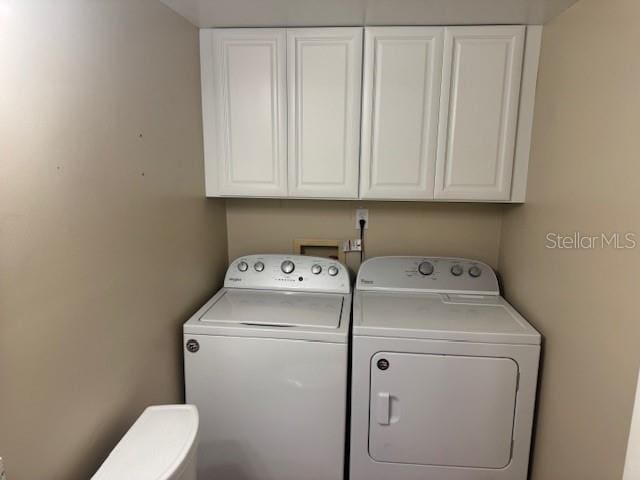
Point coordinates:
[(362, 213)]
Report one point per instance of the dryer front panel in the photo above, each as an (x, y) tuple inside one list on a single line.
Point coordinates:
[(442, 410)]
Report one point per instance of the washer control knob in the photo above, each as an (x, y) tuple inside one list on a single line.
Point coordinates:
[(243, 266), (475, 272), (425, 268), (316, 269), (287, 266), (456, 270), (333, 270), (258, 266)]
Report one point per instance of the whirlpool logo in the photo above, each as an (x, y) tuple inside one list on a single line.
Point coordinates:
[(366, 282)]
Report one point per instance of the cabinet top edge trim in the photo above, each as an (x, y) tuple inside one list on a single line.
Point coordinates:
[(372, 26)]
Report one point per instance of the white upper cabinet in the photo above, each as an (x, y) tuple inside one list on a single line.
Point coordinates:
[(324, 71), (425, 113), (479, 112), (244, 111), (401, 96)]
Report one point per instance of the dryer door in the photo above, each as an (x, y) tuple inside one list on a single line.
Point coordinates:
[(442, 409)]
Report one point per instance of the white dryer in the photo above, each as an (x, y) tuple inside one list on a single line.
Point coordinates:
[(444, 373), (266, 365)]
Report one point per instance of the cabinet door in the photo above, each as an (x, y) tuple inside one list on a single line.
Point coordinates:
[(402, 78), (324, 68), (478, 114), (244, 103)]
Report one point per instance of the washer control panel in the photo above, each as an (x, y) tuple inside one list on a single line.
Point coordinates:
[(288, 272), (428, 274)]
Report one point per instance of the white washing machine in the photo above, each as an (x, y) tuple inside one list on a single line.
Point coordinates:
[(266, 365), (444, 373)]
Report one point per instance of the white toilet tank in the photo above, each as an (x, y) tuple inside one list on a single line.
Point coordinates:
[(161, 445)]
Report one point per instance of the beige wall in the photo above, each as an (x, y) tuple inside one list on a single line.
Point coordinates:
[(107, 243), (585, 176), (400, 228)]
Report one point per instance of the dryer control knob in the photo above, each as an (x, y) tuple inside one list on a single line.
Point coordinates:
[(243, 266), (456, 270), (332, 270), (316, 269), (425, 268), (475, 272), (258, 266), (287, 266)]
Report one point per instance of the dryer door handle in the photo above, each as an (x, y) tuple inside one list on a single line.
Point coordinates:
[(383, 408)]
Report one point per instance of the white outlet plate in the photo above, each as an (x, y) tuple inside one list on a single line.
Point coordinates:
[(362, 213)]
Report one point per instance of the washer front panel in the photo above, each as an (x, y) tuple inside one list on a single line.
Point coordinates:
[(269, 408)]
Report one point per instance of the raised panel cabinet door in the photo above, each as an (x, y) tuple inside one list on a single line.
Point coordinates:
[(324, 70), (479, 112), (244, 105), (401, 94)]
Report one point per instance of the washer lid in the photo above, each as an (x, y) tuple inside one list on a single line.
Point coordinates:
[(276, 309), (156, 447), (320, 317), (472, 318)]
